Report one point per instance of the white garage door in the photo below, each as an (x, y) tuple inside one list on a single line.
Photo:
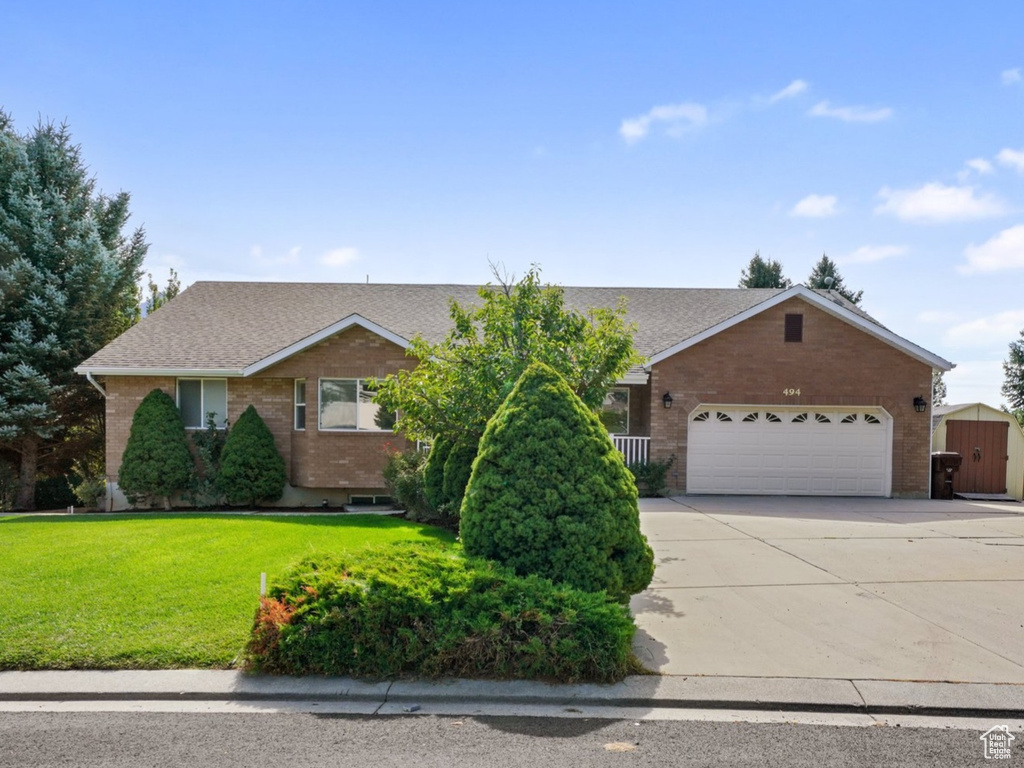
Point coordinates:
[(793, 451)]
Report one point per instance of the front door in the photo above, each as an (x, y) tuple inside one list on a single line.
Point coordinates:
[(982, 444)]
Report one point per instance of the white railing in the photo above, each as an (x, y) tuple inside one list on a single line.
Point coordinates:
[(633, 449)]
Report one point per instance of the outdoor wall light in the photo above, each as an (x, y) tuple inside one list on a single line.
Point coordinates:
[(666, 400), (920, 404)]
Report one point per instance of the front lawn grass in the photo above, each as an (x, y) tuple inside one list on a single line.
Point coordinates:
[(156, 591)]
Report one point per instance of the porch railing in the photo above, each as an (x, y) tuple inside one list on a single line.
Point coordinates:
[(633, 449)]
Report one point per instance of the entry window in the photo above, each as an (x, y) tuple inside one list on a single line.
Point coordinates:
[(199, 398), (300, 404), (614, 411), (347, 404), (794, 328)]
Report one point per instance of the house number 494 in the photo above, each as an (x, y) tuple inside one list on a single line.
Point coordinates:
[(791, 392)]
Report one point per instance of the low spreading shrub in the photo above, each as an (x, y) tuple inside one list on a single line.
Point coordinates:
[(650, 476), (416, 610)]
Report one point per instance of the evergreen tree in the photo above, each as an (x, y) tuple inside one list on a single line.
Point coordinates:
[(826, 268), (549, 494), (457, 469), (433, 472), (67, 286), (156, 462), (938, 388), (1013, 376), (251, 469), (763, 274)]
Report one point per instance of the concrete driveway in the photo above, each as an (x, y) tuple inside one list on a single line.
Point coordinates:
[(834, 588)]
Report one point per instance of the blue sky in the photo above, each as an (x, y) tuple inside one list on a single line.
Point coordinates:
[(611, 143)]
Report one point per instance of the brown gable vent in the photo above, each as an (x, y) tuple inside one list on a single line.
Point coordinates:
[(794, 327)]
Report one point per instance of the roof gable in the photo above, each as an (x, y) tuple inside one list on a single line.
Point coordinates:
[(835, 308)]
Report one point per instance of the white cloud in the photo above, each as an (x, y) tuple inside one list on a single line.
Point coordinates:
[(992, 331), (339, 257), (850, 114), (871, 253), (678, 118), (1004, 251), (976, 381), (938, 202), (1011, 76), (1014, 158), (815, 207), (793, 89), (980, 165), (938, 317)]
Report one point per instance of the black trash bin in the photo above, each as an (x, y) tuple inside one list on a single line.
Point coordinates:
[(944, 465)]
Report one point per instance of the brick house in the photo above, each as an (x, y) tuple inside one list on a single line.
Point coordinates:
[(756, 391)]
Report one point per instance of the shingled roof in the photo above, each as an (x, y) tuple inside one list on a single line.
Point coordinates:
[(229, 326)]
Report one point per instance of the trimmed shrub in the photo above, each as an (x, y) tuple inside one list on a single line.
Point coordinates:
[(549, 493), (403, 476), (414, 609), (650, 476), (433, 472), (251, 469), (56, 492), (156, 461), (457, 469)]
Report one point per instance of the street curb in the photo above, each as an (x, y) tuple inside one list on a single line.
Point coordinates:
[(824, 695)]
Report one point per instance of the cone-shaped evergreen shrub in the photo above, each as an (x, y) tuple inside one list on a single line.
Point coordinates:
[(457, 469), (549, 493), (156, 461), (251, 469), (433, 472)]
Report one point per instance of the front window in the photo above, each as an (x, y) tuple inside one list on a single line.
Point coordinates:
[(300, 403), (348, 404), (199, 398), (614, 411)]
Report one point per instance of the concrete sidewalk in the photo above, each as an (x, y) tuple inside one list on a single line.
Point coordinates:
[(469, 697)]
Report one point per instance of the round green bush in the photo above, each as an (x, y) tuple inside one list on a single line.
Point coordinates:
[(550, 495), (251, 469), (414, 609), (156, 461)]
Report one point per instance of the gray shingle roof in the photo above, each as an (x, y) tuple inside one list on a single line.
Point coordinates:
[(230, 325)]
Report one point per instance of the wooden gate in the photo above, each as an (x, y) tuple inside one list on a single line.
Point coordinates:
[(983, 447)]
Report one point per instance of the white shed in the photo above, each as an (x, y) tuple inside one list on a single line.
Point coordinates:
[(991, 443)]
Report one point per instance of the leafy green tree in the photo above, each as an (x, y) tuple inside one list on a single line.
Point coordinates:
[(550, 495), (156, 462), (938, 388), (157, 296), (67, 286), (459, 383), (1013, 377), (826, 268), (763, 274), (251, 469)]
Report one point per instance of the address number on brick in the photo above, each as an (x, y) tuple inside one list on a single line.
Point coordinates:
[(791, 392)]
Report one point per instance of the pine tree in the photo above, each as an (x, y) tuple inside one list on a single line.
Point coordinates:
[(156, 462), (67, 287), (938, 388), (1013, 376), (826, 268), (549, 494), (251, 469), (763, 274)]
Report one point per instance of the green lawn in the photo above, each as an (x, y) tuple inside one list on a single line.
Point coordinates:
[(155, 591)]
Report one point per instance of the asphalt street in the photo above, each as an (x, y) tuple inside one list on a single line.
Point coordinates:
[(139, 740)]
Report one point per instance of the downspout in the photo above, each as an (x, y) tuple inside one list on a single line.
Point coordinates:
[(107, 489)]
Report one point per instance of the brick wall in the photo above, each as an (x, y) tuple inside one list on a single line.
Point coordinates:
[(316, 459), (835, 364)]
